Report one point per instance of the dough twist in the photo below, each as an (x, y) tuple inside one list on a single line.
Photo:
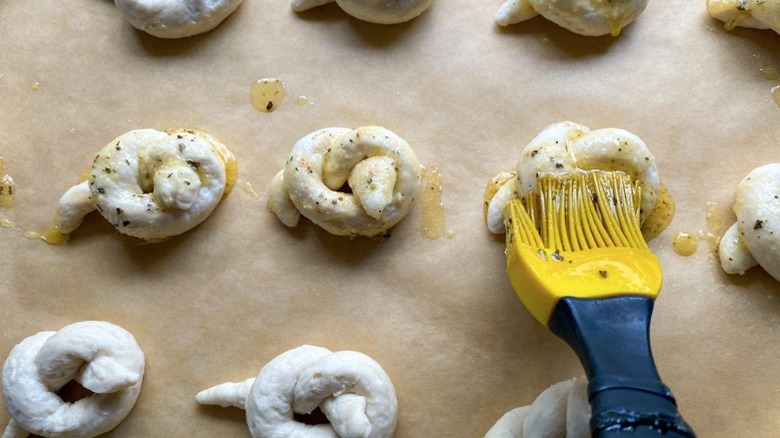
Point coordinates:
[(561, 410), (381, 169), (151, 184), (373, 11), (755, 237), (757, 14), (176, 18), (350, 388), (585, 17), (101, 356), (566, 146)]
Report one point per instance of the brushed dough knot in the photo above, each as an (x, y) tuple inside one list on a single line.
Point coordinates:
[(151, 184), (351, 389), (566, 147), (104, 358), (585, 17), (756, 14), (381, 169), (176, 18), (561, 410), (755, 238), (373, 11)]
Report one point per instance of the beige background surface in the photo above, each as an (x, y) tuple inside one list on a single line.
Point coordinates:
[(219, 302)]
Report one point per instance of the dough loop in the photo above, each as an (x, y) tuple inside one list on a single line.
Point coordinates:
[(757, 14), (381, 169), (102, 357), (350, 388), (568, 146), (373, 11), (585, 17), (755, 237), (151, 184), (561, 410), (176, 18)]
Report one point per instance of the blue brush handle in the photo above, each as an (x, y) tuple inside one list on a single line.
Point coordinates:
[(611, 336)]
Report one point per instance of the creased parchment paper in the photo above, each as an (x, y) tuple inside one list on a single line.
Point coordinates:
[(217, 303)]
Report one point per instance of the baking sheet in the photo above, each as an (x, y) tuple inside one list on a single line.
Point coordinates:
[(219, 302)]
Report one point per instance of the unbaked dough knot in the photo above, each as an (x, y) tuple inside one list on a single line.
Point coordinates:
[(102, 357), (373, 11), (755, 237), (561, 410), (584, 17), (566, 147), (151, 184), (350, 388), (757, 14), (176, 18), (380, 169)]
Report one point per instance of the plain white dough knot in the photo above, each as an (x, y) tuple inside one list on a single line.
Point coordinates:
[(568, 146), (585, 17), (102, 357), (561, 410), (755, 237), (373, 11), (381, 169), (351, 389), (756, 14), (176, 18), (151, 184)]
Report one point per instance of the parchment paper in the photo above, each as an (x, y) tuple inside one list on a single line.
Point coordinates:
[(219, 302)]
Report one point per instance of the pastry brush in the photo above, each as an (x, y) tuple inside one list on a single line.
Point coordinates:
[(578, 262)]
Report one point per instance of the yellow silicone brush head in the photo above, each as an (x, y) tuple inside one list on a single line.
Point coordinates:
[(579, 236)]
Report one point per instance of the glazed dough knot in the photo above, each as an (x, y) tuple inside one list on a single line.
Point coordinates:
[(568, 146), (381, 169), (757, 14), (755, 237), (176, 18), (373, 11), (585, 17), (151, 184), (350, 388), (561, 410), (102, 357)]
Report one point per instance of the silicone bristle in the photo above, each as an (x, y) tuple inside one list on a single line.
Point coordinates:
[(522, 225), (580, 211)]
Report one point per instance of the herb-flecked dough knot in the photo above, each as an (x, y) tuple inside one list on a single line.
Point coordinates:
[(381, 170), (151, 184)]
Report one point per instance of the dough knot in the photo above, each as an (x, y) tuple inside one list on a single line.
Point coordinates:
[(176, 18), (584, 17), (566, 147), (104, 358), (373, 11), (380, 168), (151, 184), (350, 388), (756, 14), (755, 238), (561, 410)]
